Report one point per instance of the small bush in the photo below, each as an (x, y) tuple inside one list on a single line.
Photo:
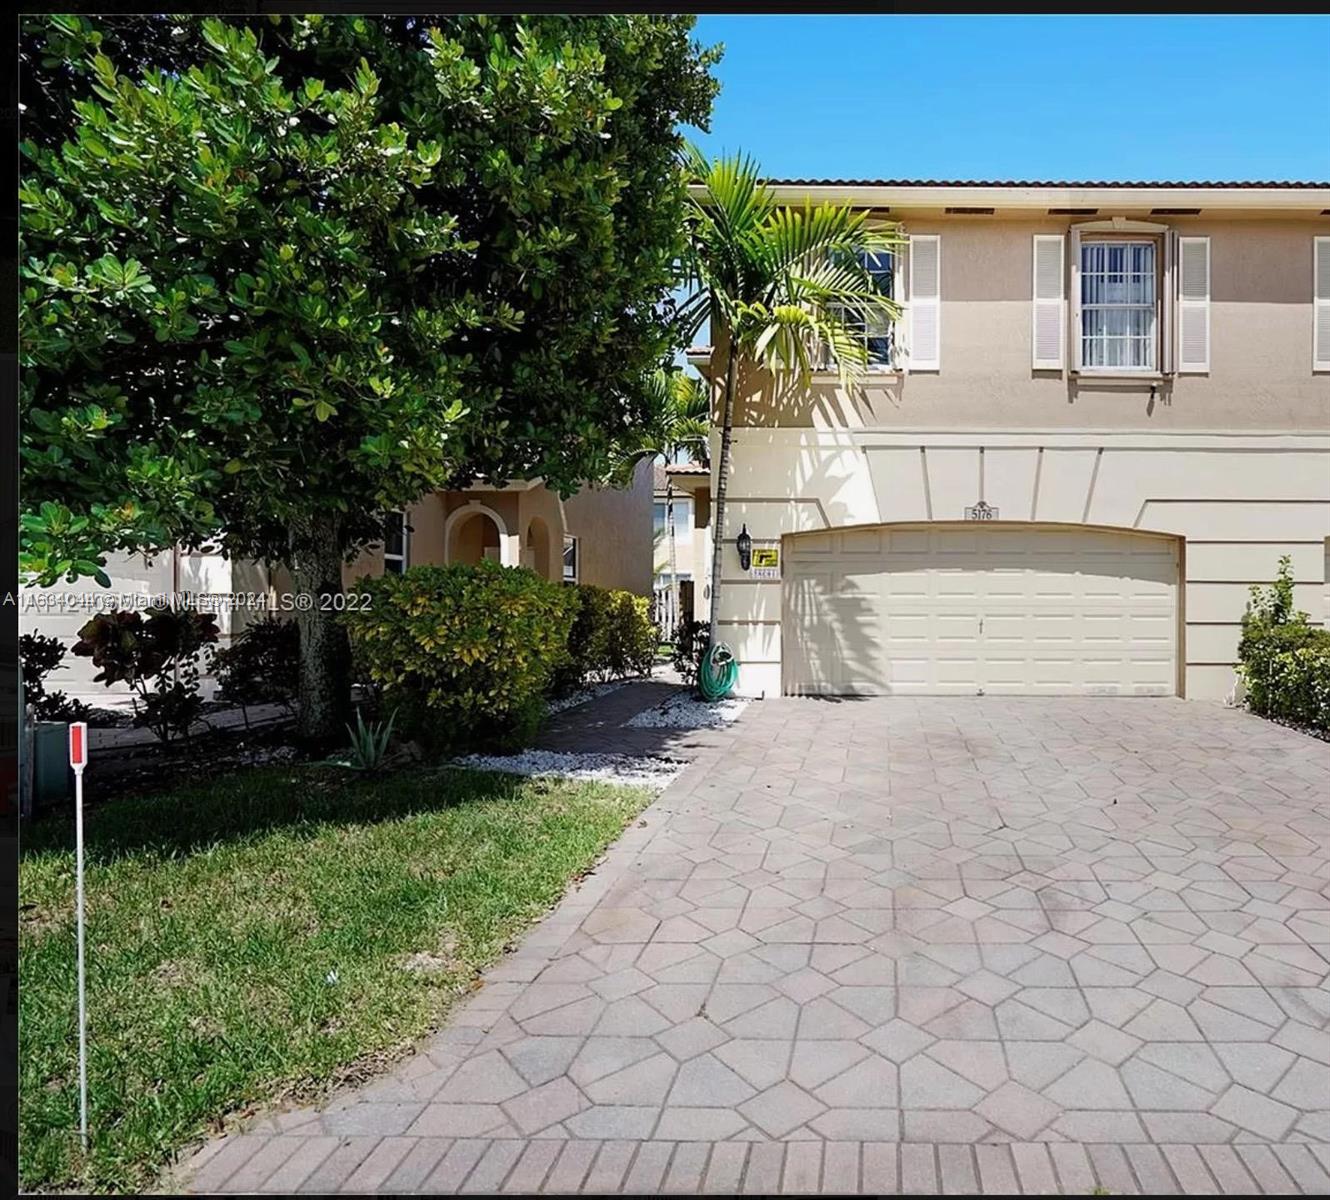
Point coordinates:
[(632, 635), (1283, 660), (464, 654), (612, 637), (39, 656), (157, 654), (588, 657), (261, 666), (691, 639)]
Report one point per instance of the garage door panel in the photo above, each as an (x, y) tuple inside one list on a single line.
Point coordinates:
[(988, 609)]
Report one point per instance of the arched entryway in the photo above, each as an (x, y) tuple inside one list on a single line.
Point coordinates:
[(536, 548), (475, 533)]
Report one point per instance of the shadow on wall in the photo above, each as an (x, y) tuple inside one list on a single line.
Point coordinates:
[(832, 639)]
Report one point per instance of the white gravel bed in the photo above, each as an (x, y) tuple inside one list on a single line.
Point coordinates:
[(653, 773), (685, 711), (594, 692)]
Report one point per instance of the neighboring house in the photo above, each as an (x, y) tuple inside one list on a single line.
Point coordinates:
[(600, 536), (675, 484), (137, 579), (1104, 414)]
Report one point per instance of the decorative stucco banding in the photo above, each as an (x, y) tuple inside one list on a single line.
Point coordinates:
[(1235, 502)]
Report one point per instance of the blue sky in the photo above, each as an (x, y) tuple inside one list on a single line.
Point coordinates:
[(1001, 97)]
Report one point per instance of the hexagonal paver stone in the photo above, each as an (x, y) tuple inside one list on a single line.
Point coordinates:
[(781, 1109), (928, 1084), (1018, 1110), (707, 1081), (868, 1084), (486, 1079)]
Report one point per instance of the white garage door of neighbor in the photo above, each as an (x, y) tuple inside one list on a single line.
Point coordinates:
[(980, 609)]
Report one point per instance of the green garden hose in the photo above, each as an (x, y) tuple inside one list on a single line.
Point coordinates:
[(719, 672)]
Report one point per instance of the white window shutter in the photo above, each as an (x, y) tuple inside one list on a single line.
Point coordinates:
[(1077, 336), (1048, 331), (1193, 342), (1321, 305), (900, 290), (925, 302)]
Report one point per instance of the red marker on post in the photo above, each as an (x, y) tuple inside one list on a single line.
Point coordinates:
[(78, 759)]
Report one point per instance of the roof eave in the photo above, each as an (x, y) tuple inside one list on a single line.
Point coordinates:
[(1232, 198)]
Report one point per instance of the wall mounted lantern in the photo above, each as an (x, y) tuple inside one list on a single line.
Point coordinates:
[(744, 544)]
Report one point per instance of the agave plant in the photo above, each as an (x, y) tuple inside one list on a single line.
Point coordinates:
[(779, 285), (369, 745)]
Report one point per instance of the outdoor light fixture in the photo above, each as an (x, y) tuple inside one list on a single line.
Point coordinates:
[(744, 544)]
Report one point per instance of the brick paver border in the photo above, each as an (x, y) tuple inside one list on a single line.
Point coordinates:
[(257, 1163)]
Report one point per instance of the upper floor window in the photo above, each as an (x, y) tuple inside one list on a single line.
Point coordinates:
[(877, 329), (395, 537), (1119, 306), (683, 518), (873, 329)]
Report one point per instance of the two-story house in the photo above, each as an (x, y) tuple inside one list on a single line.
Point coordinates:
[(1103, 415)]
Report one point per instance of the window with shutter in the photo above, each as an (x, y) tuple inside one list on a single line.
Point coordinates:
[(1193, 337), (1048, 334), (925, 349), (1321, 305)]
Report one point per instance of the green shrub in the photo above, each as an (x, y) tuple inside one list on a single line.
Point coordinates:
[(1283, 660), (691, 639), (261, 666), (464, 654), (632, 635), (39, 656), (612, 637), (156, 653), (588, 641)]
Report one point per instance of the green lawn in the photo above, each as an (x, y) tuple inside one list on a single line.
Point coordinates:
[(266, 934)]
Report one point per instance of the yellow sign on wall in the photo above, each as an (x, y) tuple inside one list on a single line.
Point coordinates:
[(766, 562)]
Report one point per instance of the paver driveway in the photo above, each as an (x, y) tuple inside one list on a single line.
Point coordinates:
[(889, 944)]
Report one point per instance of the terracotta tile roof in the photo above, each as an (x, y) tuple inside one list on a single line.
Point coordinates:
[(688, 469), (1043, 183)]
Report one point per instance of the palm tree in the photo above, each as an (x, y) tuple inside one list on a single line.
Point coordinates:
[(781, 286), (677, 428)]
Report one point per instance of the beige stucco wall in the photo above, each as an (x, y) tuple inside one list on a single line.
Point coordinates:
[(614, 528), (1235, 463), (1237, 501), (1261, 345)]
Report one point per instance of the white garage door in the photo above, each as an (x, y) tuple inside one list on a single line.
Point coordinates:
[(978, 609)]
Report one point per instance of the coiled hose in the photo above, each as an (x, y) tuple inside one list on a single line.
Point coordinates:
[(718, 672)]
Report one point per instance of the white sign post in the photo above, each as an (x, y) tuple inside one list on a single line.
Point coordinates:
[(78, 759)]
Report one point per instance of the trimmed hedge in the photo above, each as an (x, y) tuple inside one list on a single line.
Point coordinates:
[(464, 655), (612, 637), (1284, 661)]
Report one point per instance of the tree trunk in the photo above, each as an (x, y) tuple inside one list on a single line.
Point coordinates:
[(674, 564), (722, 483), (325, 652)]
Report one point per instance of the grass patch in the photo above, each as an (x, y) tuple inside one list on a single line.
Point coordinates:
[(262, 935)]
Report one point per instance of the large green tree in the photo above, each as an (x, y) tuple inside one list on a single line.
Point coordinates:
[(317, 266), (781, 287)]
